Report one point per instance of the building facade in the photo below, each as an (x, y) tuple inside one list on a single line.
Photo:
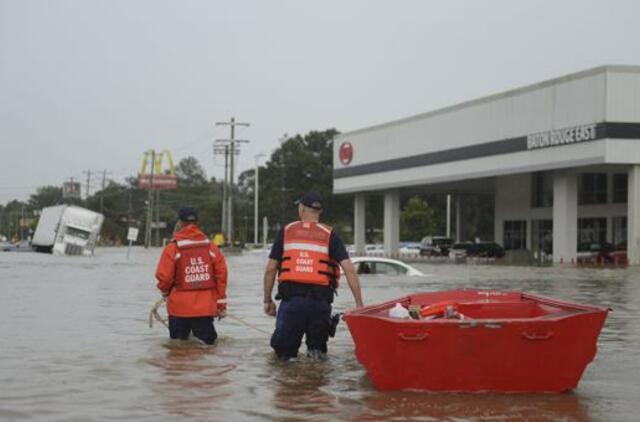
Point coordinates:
[(561, 158)]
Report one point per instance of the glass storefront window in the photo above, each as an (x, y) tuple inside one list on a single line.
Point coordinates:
[(591, 232), (620, 183), (619, 232), (542, 236), (592, 189), (541, 190), (515, 234)]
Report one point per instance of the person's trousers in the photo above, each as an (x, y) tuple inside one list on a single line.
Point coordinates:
[(301, 316), (201, 327)]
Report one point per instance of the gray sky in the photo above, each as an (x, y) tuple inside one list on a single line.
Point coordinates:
[(92, 84)]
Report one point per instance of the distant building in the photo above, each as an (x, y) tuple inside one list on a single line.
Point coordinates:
[(561, 157)]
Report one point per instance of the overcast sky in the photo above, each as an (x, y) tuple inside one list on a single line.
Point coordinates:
[(90, 85)]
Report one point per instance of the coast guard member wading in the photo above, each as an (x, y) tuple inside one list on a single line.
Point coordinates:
[(192, 273), (306, 256)]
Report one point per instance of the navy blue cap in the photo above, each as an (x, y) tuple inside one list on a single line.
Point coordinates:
[(311, 199), (188, 214)]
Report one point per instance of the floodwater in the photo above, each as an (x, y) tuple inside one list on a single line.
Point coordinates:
[(75, 345)]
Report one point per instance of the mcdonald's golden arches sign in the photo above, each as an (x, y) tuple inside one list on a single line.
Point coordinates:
[(154, 177)]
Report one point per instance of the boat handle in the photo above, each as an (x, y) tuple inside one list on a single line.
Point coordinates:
[(415, 337), (536, 336)]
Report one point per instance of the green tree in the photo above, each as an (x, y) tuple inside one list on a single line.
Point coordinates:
[(416, 220), (300, 164), (45, 196), (190, 173)]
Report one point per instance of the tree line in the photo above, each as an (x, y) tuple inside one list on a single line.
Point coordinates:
[(300, 163)]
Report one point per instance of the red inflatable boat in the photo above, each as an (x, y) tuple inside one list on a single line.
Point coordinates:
[(477, 340)]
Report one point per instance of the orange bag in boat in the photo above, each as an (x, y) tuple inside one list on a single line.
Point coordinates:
[(439, 309)]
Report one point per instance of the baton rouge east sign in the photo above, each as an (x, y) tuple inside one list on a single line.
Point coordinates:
[(558, 137)]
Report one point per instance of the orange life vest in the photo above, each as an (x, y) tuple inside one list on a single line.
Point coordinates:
[(439, 309), (194, 265), (305, 257)]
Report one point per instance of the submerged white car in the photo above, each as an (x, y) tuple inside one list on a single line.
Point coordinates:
[(383, 266)]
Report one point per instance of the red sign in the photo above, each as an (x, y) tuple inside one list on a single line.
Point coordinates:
[(160, 181), (71, 190), (346, 153)]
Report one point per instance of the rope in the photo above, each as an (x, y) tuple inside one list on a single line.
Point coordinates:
[(154, 314), (246, 324)]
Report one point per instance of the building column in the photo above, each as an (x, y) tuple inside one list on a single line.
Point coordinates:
[(359, 224), (633, 216), (391, 231), (458, 237), (565, 217)]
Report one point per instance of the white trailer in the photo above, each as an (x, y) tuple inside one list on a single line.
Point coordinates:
[(67, 230)]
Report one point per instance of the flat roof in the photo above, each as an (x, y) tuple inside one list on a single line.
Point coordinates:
[(509, 93)]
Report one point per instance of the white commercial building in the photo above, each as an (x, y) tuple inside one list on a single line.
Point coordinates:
[(561, 157)]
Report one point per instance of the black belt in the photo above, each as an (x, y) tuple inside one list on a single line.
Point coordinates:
[(289, 289)]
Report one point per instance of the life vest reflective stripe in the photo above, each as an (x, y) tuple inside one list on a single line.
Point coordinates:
[(307, 247), (194, 265), (305, 257), (188, 242)]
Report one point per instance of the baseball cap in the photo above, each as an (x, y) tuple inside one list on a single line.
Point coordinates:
[(188, 214), (311, 199)]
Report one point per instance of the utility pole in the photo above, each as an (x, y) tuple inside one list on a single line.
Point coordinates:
[(147, 231), (88, 186), (104, 185), (157, 204), (232, 152), (223, 150), (256, 188)]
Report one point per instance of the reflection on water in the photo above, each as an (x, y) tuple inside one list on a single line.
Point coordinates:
[(426, 406), (75, 343), (192, 380), (303, 380)]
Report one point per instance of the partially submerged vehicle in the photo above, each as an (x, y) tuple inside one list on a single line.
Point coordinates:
[(370, 265), (409, 249), (459, 250), (67, 230), (435, 246), (476, 340)]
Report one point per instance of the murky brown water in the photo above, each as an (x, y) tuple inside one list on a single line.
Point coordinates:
[(75, 345)]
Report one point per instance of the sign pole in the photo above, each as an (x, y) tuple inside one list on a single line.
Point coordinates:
[(132, 236)]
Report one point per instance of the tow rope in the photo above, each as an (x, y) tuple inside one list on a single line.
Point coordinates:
[(154, 314)]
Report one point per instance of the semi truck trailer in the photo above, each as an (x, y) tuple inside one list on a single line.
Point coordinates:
[(67, 230)]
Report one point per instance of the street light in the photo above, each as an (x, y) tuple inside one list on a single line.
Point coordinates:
[(255, 200)]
